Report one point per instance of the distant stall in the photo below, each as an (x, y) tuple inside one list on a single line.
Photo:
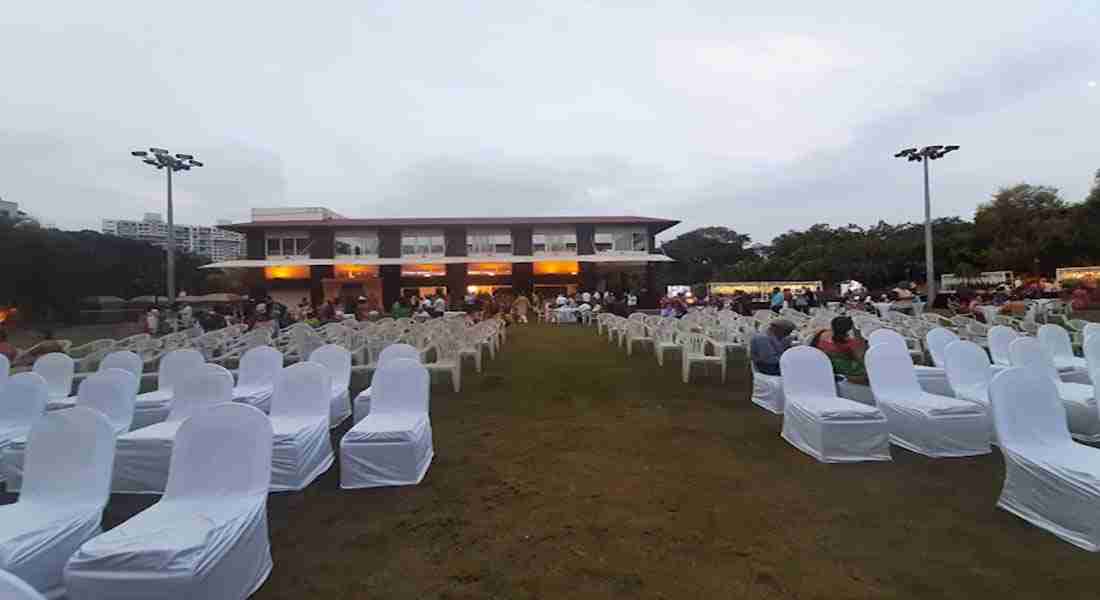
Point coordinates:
[(1076, 273), (760, 290)]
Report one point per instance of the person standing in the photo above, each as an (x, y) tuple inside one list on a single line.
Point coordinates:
[(777, 300)]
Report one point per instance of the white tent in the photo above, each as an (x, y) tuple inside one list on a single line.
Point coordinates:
[(1050, 480), (337, 361), (929, 424), (393, 444), (207, 537), (143, 455), (259, 367), (69, 456), (300, 423), (821, 424)]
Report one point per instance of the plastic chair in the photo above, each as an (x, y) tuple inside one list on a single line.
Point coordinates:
[(1079, 400), (57, 369), (361, 405), (937, 340), (337, 361), (969, 371), (1000, 338), (300, 423), (210, 527), (125, 360), (14, 588), (153, 407), (22, 401), (68, 474), (1056, 343), (259, 367), (5, 369)]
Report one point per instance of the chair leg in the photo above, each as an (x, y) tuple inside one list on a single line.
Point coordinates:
[(629, 347), (456, 379), (477, 359), (686, 371)]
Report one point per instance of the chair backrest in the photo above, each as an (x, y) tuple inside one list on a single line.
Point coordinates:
[(5, 368), (125, 360), (22, 400), (966, 365), (14, 588), (302, 390), (807, 372), (1090, 330), (205, 386), (1092, 357), (177, 365), (1000, 338), (113, 393), (888, 337), (937, 340), (337, 361), (396, 351), (70, 454), (694, 344), (1028, 353), (57, 369), (1055, 341), (400, 385), (1027, 410), (223, 450), (260, 366), (890, 369)]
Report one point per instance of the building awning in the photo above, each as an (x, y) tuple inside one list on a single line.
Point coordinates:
[(606, 258)]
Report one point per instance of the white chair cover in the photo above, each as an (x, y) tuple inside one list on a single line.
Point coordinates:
[(300, 423), (110, 393), (937, 340), (153, 407), (1056, 343), (22, 401), (393, 444), (1089, 331), (207, 537), (361, 406), (14, 588), (821, 424), (125, 360), (337, 361), (259, 368), (1079, 400), (69, 456), (1000, 338), (931, 379), (5, 368), (969, 371), (1050, 481), (143, 455), (929, 424), (58, 370)]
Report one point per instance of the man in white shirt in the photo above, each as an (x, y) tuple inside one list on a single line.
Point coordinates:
[(631, 299), (586, 297), (440, 304)]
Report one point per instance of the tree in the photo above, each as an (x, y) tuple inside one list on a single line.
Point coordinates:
[(1025, 226), (701, 253)]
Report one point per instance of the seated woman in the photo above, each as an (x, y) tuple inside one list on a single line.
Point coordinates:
[(844, 350)]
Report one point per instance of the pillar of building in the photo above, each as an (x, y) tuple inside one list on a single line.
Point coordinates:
[(391, 285), (650, 296), (255, 248), (589, 276), (456, 285), (322, 245), (523, 277)]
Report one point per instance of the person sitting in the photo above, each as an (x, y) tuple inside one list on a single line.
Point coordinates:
[(845, 351), (766, 348), (400, 309)]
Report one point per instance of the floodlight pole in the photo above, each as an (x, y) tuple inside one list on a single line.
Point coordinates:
[(929, 263), (172, 237)]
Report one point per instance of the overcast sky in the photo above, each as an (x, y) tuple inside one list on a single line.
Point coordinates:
[(760, 118)]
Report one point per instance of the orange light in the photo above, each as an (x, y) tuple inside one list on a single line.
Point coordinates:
[(490, 269), (355, 271), (287, 272), (433, 270), (556, 267)]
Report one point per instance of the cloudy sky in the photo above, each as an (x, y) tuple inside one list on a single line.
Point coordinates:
[(760, 118)]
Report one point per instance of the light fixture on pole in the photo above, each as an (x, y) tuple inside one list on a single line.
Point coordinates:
[(162, 159), (923, 156)]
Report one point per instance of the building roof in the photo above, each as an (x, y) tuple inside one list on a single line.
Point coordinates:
[(662, 224)]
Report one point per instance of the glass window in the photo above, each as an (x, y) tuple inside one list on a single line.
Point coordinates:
[(422, 243), (288, 244), (488, 242), (604, 241), (274, 246), (622, 239), (356, 244), (554, 241)]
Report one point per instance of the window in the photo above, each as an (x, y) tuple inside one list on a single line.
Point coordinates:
[(488, 242), (622, 239), (287, 244), (422, 243), (554, 241), (356, 244)]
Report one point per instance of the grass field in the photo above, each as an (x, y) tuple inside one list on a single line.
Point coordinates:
[(569, 470)]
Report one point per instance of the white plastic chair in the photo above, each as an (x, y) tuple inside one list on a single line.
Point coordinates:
[(125, 360), (931, 379), (256, 378), (1079, 400), (58, 370), (818, 422), (153, 407), (5, 368), (14, 588), (1050, 481), (393, 444), (361, 405), (1000, 338), (22, 401), (1089, 330), (337, 361), (693, 351), (207, 537), (143, 455), (969, 371), (68, 475), (937, 340), (1056, 343), (300, 422), (447, 360), (929, 424)]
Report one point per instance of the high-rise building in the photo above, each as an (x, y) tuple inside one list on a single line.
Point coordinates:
[(218, 244), (9, 209)]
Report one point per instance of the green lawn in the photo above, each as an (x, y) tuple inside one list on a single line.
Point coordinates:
[(570, 471)]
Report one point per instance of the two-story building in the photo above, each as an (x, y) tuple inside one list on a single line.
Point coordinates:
[(312, 252)]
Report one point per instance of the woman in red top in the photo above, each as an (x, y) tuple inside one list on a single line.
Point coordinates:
[(845, 351)]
